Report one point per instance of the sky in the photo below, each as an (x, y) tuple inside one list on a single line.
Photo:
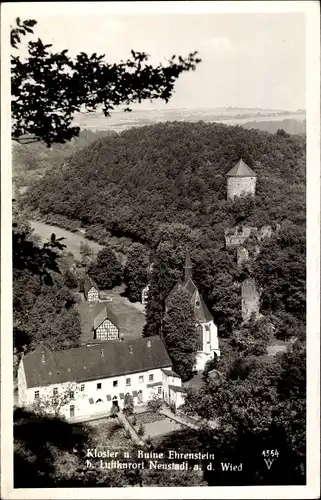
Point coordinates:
[(248, 60)]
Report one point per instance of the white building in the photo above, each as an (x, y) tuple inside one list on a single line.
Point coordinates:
[(208, 344), (91, 380), (144, 295)]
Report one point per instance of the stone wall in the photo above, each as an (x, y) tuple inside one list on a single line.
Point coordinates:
[(250, 299), (238, 235), (236, 186)]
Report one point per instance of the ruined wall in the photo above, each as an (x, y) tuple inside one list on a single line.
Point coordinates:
[(250, 299), (242, 256), (238, 235)]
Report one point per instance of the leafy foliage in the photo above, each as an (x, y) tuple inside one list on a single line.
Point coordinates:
[(49, 88), (106, 270), (179, 334), (260, 404), (42, 303), (136, 271), (280, 267)]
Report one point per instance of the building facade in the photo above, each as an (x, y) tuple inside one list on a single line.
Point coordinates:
[(94, 380), (91, 290), (241, 180), (207, 333), (106, 325)]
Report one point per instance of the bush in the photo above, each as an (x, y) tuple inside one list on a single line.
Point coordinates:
[(155, 403), (172, 407), (141, 430)]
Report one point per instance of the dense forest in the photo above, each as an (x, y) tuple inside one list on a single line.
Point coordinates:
[(31, 161), (165, 186)]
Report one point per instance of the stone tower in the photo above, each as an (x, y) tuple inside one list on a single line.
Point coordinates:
[(240, 180)]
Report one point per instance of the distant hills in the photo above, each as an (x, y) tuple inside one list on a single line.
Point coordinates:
[(262, 119)]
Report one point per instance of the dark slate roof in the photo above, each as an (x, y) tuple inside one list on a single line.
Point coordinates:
[(202, 314), (241, 170), (82, 364), (176, 388), (105, 313), (170, 373), (88, 284)]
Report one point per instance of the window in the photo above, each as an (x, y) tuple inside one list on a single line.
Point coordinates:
[(141, 379), (159, 390), (151, 377), (36, 394), (55, 391), (115, 383), (82, 387), (199, 335), (127, 381), (98, 386), (71, 395)]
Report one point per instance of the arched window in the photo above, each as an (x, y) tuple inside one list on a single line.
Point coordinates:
[(199, 337)]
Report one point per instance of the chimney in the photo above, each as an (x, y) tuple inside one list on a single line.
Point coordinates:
[(148, 343), (130, 349), (102, 353), (43, 359)]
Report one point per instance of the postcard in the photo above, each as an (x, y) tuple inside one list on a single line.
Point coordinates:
[(160, 276)]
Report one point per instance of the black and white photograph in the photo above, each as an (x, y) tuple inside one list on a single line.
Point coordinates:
[(160, 250)]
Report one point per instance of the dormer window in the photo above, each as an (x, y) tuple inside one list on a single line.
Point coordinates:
[(197, 303)]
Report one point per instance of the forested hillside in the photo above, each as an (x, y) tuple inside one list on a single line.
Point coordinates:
[(165, 185), (149, 175), (31, 161)]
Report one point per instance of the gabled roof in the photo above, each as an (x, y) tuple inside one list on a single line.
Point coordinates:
[(82, 364), (104, 314), (241, 170), (170, 373), (177, 388), (201, 312), (88, 284)]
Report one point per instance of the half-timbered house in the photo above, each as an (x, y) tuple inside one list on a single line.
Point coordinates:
[(106, 325), (91, 290)]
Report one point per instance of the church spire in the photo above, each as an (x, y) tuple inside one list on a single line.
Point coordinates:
[(188, 266)]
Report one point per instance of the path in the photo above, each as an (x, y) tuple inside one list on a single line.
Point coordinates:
[(161, 427), (133, 434), (180, 419), (72, 240)]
